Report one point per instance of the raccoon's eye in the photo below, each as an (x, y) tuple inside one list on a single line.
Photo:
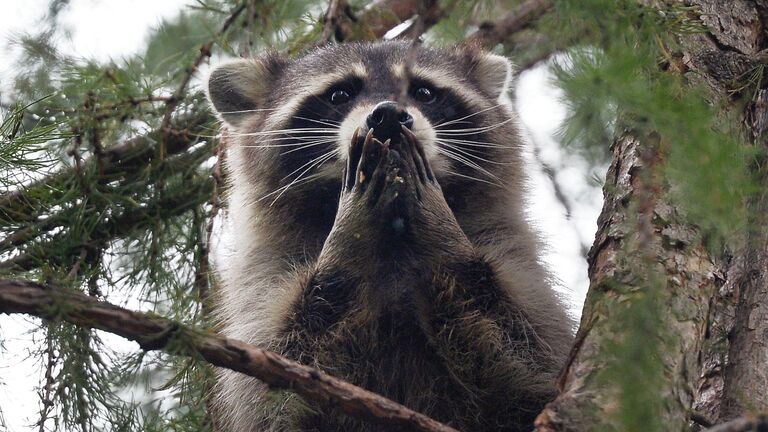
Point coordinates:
[(339, 96), (425, 94)]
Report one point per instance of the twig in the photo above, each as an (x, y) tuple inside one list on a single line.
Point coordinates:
[(550, 173), (205, 246), (410, 58), (76, 267), (45, 395), (496, 32), (155, 333), (118, 226), (428, 17), (249, 21), (743, 424), (178, 95), (135, 153), (331, 19), (378, 18)]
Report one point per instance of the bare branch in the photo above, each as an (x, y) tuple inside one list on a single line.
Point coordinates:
[(332, 18), (379, 17), (155, 333), (492, 33)]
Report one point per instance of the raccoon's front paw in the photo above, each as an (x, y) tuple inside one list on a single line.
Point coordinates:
[(367, 167), (433, 218), (390, 178)]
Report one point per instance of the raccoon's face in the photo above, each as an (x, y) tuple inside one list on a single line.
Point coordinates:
[(295, 119)]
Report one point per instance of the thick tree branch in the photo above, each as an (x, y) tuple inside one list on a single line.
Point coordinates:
[(156, 333), (725, 57), (622, 263)]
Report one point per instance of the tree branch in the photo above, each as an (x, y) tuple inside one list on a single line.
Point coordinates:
[(492, 33), (743, 424), (33, 229), (129, 156), (116, 227), (156, 333), (378, 17), (178, 95), (624, 265)]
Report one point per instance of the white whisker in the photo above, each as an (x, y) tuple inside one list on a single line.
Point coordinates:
[(287, 132), (468, 154), (471, 143), (327, 122), (299, 141), (439, 125), (247, 111), (305, 164), (473, 178), (472, 131), (311, 144), (317, 162), (468, 162)]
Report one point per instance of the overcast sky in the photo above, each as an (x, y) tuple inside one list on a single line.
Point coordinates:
[(117, 28)]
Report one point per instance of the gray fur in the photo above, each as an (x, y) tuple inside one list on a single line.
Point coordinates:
[(410, 325)]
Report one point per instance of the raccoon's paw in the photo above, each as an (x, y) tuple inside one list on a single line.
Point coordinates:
[(417, 164), (367, 166), (390, 178)]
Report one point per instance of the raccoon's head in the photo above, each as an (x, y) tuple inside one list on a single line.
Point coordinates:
[(293, 120)]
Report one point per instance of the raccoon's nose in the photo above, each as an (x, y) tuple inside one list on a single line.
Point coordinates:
[(386, 118)]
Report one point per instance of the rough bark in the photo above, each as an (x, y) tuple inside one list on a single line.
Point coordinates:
[(639, 234), (714, 312), (155, 333), (734, 379)]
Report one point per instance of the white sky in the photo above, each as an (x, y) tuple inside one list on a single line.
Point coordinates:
[(117, 28)]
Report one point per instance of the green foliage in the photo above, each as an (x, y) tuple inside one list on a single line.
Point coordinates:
[(616, 81), (622, 77), (22, 148), (634, 369), (132, 228)]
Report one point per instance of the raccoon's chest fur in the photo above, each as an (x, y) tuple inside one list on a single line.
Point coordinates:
[(379, 234)]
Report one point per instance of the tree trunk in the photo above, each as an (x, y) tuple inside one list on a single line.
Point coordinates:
[(708, 312)]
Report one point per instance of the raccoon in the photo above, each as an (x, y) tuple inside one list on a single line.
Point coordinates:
[(377, 205)]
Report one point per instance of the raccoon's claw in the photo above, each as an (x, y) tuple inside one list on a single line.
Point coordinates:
[(416, 157), (367, 164), (355, 153), (393, 180)]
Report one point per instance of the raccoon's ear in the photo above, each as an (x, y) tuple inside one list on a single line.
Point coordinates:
[(238, 87), (494, 74)]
